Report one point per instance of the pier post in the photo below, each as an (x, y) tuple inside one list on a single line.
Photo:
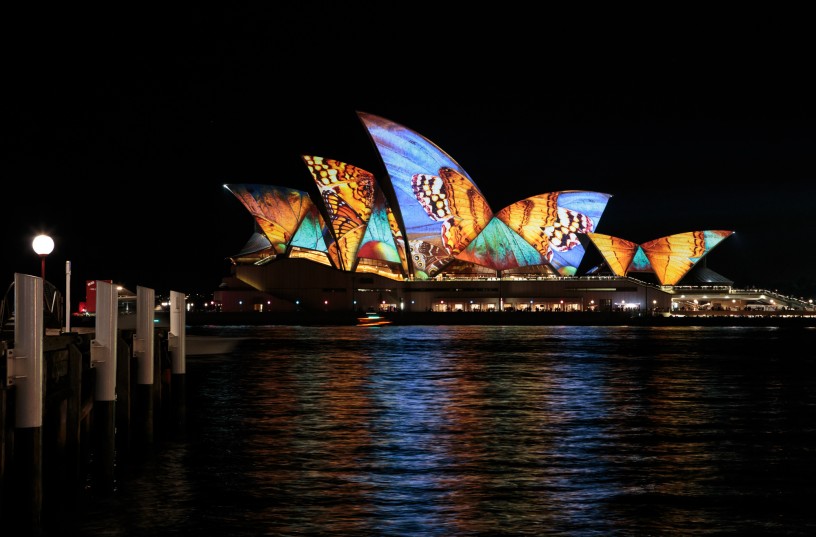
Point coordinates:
[(29, 378), (67, 296), (103, 359), (143, 351), (178, 351)]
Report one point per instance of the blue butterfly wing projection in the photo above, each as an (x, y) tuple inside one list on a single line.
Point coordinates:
[(579, 212), (439, 203)]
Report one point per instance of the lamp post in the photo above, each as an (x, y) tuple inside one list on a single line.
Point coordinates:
[(43, 245)]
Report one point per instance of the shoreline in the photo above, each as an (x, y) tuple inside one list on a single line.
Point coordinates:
[(789, 319)]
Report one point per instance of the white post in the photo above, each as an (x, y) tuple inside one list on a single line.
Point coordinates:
[(28, 366), (176, 339), (29, 330), (176, 345), (143, 344), (104, 358), (103, 348), (67, 297)]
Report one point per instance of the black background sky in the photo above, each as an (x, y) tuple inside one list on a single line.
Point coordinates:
[(122, 129)]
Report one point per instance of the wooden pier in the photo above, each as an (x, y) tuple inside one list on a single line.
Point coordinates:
[(82, 440), (76, 404)]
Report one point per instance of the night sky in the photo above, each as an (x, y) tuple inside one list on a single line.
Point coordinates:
[(120, 136)]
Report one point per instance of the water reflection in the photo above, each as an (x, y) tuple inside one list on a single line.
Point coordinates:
[(485, 430)]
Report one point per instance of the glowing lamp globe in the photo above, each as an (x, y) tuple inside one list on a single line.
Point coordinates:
[(43, 244)]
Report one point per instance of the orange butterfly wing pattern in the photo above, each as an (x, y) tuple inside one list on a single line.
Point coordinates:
[(277, 211), (528, 216), (348, 194), (355, 185), (552, 223), (673, 256), (347, 246), (618, 253), (452, 198), (399, 240), (348, 191), (343, 218)]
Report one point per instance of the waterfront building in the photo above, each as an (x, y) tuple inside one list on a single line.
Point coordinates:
[(424, 238)]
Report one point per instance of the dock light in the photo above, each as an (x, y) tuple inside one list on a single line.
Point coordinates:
[(43, 245)]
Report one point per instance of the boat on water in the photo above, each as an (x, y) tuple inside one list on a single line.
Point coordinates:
[(372, 318)]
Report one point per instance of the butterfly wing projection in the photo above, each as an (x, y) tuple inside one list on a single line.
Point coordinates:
[(344, 219), (399, 240), (618, 253), (553, 221), (348, 195), (451, 198), (277, 211), (673, 256), (528, 218), (428, 259), (379, 242), (313, 234), (407, 156), (500, 248), (579, 212)]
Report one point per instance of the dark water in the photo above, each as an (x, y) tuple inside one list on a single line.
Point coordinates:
[(483, 431)]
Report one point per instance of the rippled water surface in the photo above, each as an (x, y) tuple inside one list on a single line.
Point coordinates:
[(484, 430)]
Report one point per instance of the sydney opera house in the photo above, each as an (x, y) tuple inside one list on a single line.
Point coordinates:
[(424, 238)]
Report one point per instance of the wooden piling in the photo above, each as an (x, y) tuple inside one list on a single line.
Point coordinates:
[(82, 441)]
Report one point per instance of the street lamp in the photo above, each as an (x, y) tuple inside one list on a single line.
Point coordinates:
[(43, 245)]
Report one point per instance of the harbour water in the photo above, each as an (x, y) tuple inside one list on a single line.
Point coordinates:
[(480, 430)]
